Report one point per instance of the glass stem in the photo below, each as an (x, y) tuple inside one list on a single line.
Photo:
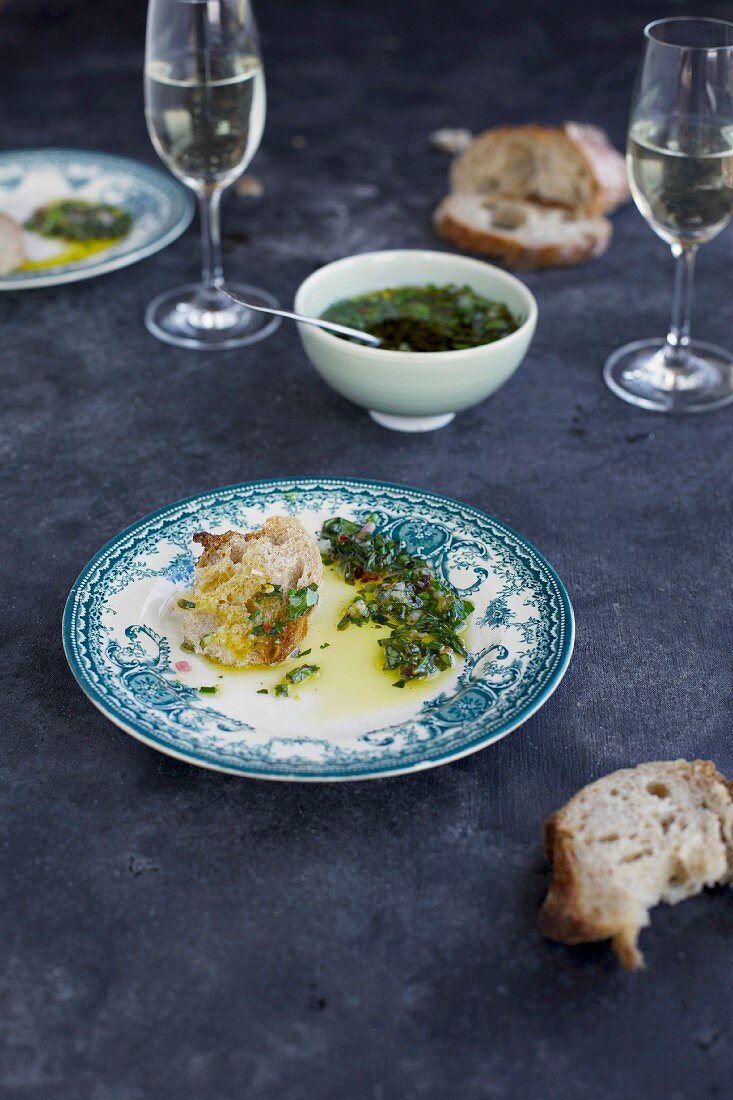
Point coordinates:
[(212, 272), (678, 337)]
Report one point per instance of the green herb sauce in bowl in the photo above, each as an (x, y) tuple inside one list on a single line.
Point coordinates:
[(417, 390), (425, 318)]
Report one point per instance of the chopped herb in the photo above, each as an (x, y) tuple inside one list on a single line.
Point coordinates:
[(399, 683), (324, 645), (187, 605), (399, 591), (300, 673), (296, 676), (270, 610), (268, 630), (362, 552), (304, 653), (300, 601), (209, 690), (79, 220), (263, 691), (187, 647), (426, 318)]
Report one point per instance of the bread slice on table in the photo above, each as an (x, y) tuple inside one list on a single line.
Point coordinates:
[(573, 166), (658, 832), (253, 593), (520, 234), (11, 245)]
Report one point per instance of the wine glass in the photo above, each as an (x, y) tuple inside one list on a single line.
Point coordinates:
[(205, 111), (680, 165)]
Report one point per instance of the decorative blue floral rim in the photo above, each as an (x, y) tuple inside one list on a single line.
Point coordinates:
[(135, 686), (161, 208)]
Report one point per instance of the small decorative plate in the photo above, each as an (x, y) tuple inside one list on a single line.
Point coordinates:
[(122, 640), (161, 209)]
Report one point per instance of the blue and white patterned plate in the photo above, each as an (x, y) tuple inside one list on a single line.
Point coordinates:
[(160, 206), (124, 647)]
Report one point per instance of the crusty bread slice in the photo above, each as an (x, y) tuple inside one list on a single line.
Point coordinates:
[(572, 166), (11, 245), (658, 832), (521, 234), (236, 568)]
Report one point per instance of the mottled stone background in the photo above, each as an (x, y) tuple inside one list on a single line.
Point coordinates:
[(172, 934)]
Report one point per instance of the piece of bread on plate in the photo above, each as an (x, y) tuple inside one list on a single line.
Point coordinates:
[(11, 245), (573, 166), (519, 234), (253, 593), (658, 832)]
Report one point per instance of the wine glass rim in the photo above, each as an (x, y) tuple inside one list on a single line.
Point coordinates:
[(687, 19)]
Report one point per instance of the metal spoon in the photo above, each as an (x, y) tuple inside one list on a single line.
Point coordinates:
[(344, 330)]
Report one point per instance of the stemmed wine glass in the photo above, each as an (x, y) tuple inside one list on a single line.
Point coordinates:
[(205, 110), (680, 164)]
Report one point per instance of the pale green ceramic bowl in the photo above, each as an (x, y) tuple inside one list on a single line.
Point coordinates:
[(413, 391)]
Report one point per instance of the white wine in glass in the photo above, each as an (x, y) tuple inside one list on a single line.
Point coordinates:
[(206, 115), (680, 164), (205, 110)]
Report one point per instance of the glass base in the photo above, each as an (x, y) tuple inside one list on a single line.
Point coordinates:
[(195, 317), (638, 373)]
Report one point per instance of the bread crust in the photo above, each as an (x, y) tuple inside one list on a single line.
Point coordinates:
[(562, 917), (511, 252), (604, 165)]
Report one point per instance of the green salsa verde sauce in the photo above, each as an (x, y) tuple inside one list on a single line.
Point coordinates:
[(425, 318), (79, 220)]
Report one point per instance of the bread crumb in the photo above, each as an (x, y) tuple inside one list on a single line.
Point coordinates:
[(451, 141), (249, 187)]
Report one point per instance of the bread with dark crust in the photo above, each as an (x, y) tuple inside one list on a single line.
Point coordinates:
[(573, 166), (662, 831)]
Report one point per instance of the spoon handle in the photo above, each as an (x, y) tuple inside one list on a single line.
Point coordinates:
[(330, 326)]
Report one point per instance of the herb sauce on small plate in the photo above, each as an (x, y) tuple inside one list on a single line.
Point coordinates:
[(82, 228), (426, 318), (79, 220)]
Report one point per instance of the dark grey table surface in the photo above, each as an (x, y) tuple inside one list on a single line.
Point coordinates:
[(172, 933)]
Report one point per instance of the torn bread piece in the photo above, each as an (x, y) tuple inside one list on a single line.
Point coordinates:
[(253, 593), (659, 832)]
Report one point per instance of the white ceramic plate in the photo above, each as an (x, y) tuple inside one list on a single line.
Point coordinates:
[(160, 206), (123, 643)]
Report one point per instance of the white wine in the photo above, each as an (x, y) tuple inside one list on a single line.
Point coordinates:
[(681, 175), (205, 115)]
